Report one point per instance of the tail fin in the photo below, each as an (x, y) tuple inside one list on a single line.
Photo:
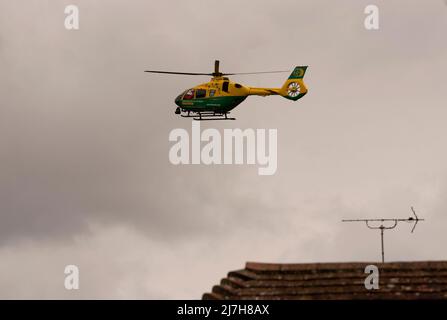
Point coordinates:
[(294, 87)]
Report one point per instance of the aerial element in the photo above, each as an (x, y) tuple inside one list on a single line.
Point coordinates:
[(215, 99), (382, 227)]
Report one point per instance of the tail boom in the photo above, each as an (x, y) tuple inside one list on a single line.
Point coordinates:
[(252, 91)]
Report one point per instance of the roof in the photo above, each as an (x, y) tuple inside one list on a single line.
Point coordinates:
[(272, 281)]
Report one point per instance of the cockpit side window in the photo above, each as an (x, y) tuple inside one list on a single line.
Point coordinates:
[(200, 93), (189, 94), (225, 86)]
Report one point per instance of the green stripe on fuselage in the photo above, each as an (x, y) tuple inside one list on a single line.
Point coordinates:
[(215, 104)]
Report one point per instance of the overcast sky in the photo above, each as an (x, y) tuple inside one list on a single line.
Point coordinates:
[(85, 177)]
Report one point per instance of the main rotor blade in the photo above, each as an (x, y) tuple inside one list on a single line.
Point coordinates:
[(239, 73), (212, 74), (182, 73)]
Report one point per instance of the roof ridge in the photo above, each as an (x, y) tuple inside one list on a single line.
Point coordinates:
[(265, 266)]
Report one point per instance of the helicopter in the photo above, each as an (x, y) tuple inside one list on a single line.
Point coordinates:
[(215, 99)]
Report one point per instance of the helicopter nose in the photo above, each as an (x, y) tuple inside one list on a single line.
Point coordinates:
[(178, 101)]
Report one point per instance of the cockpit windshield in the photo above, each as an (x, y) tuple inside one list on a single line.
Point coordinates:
[(189, 94)]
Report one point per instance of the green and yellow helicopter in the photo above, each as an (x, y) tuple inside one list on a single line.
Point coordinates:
[(215, 99)]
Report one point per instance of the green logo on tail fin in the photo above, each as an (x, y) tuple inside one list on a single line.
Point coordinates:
[(298, 73)]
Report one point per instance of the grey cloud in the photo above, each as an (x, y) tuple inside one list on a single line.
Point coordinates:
[(84, 136)]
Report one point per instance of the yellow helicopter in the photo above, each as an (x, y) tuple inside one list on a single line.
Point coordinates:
[(215, 99)]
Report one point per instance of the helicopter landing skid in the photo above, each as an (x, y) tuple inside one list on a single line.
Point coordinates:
[(210, 119), (208, 116)]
